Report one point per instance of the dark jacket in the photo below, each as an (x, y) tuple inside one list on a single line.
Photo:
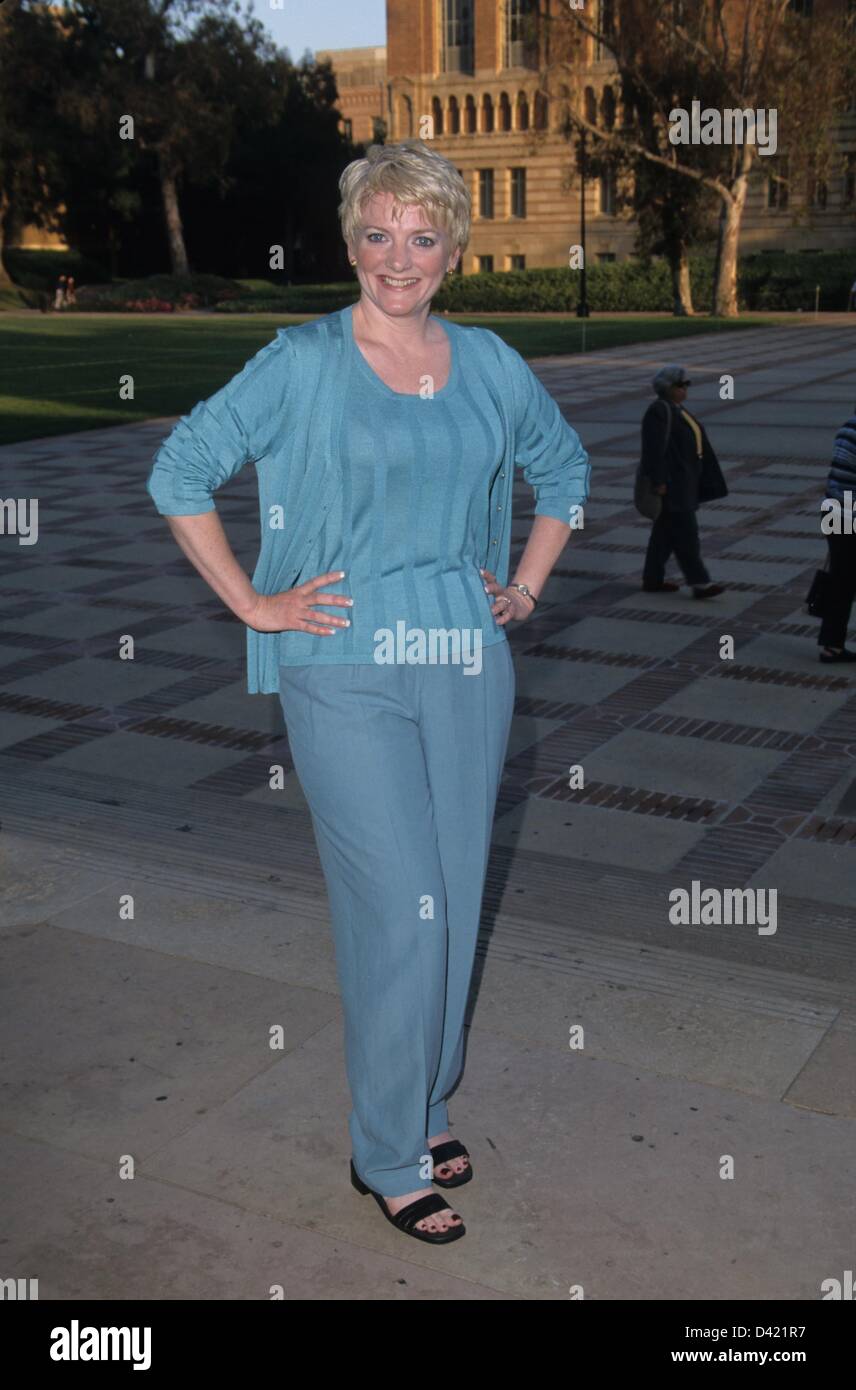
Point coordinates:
[(842, 473), (689, 479)]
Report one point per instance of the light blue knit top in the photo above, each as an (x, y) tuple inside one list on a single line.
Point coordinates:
[(409, 496), (410, 523)]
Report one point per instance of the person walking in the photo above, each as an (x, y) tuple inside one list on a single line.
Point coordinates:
[(385, 441), (59, 292), (679, 459), (840, 487)]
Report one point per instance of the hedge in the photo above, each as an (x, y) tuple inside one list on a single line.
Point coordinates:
[(158, 293), (776, 281), (782, 280)]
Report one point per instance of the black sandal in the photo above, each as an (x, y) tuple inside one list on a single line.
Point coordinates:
[(405, 1220), (836, 654), (442, 1153)]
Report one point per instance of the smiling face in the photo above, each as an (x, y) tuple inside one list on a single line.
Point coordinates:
[(400, 263)]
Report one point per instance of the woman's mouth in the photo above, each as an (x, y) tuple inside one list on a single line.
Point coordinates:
[(394, 283)]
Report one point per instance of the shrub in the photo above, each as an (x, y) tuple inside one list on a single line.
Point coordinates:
[(158, 293), (780, 281), (40, 270)]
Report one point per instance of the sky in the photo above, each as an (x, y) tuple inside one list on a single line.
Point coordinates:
[(314, 24)]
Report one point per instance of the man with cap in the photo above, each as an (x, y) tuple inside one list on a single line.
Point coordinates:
[(679, 459)]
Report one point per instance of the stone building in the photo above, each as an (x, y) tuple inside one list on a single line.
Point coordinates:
[(466, 74)]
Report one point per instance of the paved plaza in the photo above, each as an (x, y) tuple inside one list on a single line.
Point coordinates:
[(148, 1035)]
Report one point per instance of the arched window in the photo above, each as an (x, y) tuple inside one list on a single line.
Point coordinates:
[(470, 116), (590, 106), (454, 117), (437, 114), (540, 111), (504, 111), (607, 108), (487, 113), (522, 112)]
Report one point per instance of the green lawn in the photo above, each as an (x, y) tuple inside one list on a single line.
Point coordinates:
[(62, 374)]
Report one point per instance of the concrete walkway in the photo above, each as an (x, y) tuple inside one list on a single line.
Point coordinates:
[(141, 1037)]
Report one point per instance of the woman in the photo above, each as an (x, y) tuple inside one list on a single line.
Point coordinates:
[(385, 443), (841, 490), (679, 459)]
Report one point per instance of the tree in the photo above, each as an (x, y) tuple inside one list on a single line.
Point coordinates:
[(30, 57), (673, 213), (741, 55), (176, 74)]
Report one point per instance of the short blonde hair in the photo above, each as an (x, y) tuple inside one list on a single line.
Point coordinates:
[(418, 177)]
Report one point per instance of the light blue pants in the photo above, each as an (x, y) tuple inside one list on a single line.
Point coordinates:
[(400, 765)]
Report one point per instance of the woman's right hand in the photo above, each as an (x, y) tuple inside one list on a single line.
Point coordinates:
[(295, 610)]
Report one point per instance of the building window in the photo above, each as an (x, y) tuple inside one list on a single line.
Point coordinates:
[(485, 263), (504, 112), (540, 111), (454, 116), (485, 193), (518, 192), (605, 22), (521, 46), (522, 111), (457, 35), (348, 131), (437, 115), (487, 113), (817, 191), (590, 101), (849, 191), (777, 193), (606, 256), (470, 116), (607, 193), (517, 263), (607, 108)]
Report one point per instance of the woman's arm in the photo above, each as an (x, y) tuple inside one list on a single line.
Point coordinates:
[(206, 546), (547, 540), (220, 435)]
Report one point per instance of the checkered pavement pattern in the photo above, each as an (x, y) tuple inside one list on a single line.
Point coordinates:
[(733, 772)]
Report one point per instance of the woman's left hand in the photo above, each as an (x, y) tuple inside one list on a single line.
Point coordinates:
[(517, 607)]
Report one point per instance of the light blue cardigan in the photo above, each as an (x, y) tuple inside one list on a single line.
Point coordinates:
[(282, 412)]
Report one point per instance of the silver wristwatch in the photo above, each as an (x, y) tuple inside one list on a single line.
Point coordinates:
[(526, 591)]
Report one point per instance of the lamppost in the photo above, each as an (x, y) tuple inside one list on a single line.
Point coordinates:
[(582, 307)]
